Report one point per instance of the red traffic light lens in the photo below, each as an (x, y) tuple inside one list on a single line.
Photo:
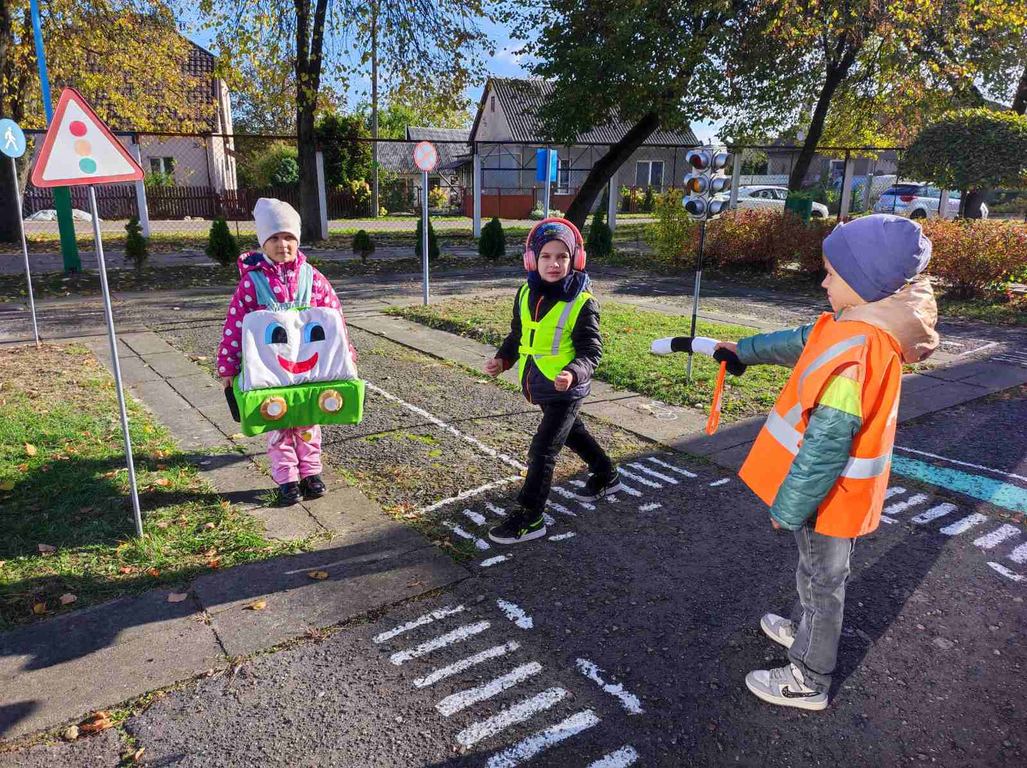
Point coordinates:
[(700, 159)]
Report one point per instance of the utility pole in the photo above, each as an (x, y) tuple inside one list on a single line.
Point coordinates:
[(375, 204)]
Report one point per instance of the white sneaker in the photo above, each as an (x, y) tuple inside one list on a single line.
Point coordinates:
[(784, 686), (778, 629)]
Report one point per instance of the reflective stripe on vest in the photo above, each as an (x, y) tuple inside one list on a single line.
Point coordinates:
[(551, 355)]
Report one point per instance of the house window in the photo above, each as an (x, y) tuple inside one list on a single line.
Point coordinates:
[(837, 169), (163, 165), (649, 173), (563, 177)]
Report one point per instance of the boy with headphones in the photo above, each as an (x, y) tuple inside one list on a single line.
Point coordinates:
[(554, 339)]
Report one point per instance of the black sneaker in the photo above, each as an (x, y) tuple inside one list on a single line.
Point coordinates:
[(599, 486), (289, 494), (519, 527), (313, 487)]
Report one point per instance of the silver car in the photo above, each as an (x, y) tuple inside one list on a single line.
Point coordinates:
[(918, 201), (768, 196)]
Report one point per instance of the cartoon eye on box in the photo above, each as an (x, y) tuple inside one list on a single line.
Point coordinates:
[(297, 371)]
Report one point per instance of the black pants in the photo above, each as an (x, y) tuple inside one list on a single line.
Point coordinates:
[(560, 426)]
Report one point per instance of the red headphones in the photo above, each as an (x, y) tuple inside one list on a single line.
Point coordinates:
[(531, 260)]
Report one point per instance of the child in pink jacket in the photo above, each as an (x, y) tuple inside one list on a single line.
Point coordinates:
[(295, 454)]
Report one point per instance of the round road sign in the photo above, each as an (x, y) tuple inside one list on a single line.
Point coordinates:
[(12, 140), (426, 157)]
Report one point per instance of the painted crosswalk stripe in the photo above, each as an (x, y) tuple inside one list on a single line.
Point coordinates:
[(577, 483), (718, 483), (629, 490), (649, 507), (653, 473), (515, 613), (458, 635), (563, 536), (964, 525), (996, 537), (474, 517), (561, 509), (1019, 555), (573, 497), (548, 518), (902, 506), (894, 491), (999, 568), (934, 513), (671, 467), (463, 699), (517, 713), (620, 758), (420, 621), (627, 699), (525, 750), (639, 479), (466, 663), (497, 511), (494, 561), (479, 543)]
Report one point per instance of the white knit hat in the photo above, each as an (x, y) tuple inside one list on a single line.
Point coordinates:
[(273, 216)]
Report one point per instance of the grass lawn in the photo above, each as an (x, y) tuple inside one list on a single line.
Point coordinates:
[(627, 362), (68, 537)]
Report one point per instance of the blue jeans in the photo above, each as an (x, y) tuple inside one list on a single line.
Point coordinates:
[(818, 613)]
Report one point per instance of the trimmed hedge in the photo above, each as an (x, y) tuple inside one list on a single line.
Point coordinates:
[(976, 257)]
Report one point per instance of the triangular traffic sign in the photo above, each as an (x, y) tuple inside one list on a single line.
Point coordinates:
[(80, 149)]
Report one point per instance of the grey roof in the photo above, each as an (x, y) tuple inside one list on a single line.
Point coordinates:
[(398, 157), (523, 99)]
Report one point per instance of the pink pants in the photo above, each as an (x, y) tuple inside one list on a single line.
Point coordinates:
[(294, 453)]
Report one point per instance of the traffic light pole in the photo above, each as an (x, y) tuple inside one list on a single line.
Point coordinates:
[(695, 289)]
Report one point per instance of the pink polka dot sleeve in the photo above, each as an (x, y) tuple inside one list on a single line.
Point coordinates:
[(229, 356)]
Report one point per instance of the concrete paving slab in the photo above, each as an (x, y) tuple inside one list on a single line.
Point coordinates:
[(191, 430), (134, 371), (998, 376), (362, 576), (100, 751), (656, 421), (61, 669), (172, 364), (701, 444), (146, 343), (915, 382), (928, 401)]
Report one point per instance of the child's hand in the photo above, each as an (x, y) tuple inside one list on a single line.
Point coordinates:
[(730, 346), (563, 381), (493, 366), (226, 382)]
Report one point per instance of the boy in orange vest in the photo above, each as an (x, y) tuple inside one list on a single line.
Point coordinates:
[(823, 457)]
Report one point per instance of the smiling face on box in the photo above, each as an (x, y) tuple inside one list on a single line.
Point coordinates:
[(290, 347)]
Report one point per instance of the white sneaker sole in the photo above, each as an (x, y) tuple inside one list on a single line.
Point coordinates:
[(541, 532), (787, 642), (814, 705), (602, 494)]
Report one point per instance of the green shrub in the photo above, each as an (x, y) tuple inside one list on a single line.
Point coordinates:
[(761, 240), (433, 243), (673, 237), (600, 238), (648, 200), (438, 198), (363, 244), (537, 214), (136, 248), (492, 243), (976, 257), (221, 244)]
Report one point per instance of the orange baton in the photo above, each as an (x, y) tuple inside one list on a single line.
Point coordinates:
[(718, 399)]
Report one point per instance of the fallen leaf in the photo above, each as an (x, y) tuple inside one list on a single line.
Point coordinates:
[(237, 436), (126, 569), (23, 468), (161, 467), (7, 485), (177, 597), (163, 524), (209, 527), (67, 598), (319, 575), (46, 549), (163, 482), (71, 733), (137, 755), (257, 605), (155, 572), (214, 564), (30, 449), (39, 609), (99, 721)]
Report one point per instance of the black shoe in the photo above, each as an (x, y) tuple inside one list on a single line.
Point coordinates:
[(313, 487), (599, 486), (289, 494), (519, 527)]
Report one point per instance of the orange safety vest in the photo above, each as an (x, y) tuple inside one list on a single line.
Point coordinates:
[(853, 506)]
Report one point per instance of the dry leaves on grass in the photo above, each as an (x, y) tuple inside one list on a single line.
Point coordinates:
[(30, 449), (71, 733), (39, 608), (96, 722), (163, 482), (155, 572)]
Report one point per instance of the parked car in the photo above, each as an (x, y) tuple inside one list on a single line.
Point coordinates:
[(918, 201), (766, 196)]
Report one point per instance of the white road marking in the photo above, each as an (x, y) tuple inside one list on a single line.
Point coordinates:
[(894, 491), (718, 483), (652, 472), (649, 507), (474, 517), (478, 542), (639, 479), (466, 663), (494, 561), (487, 450), (902, 506), (889, 520), (525, 750), (469, 494), (577, 483), (621, 758), (961, 463), (996, 537), (563, 536), (573, 497), (627, 699), (458, 635), (629, 490), (671, 467), (372, 558), (463, 699), (420, 621), (518, 713), (498, 511), (964, 525), (998, 567), (548, 518), (934, 513), (515, 613), (561, 509), (1019, 555)]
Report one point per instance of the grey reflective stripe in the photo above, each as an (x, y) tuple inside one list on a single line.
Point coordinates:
[(787, 435), (794, 416), (558, 334), (831, 352), (864, 469)]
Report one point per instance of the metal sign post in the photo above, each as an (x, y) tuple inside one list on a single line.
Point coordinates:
[(12, 144), (695, 290), (426, 157)]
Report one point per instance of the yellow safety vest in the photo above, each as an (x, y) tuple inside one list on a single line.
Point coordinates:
[(548, 340)]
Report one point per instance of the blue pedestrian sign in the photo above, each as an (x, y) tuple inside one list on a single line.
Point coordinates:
[(540, 164), (12, 140)]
